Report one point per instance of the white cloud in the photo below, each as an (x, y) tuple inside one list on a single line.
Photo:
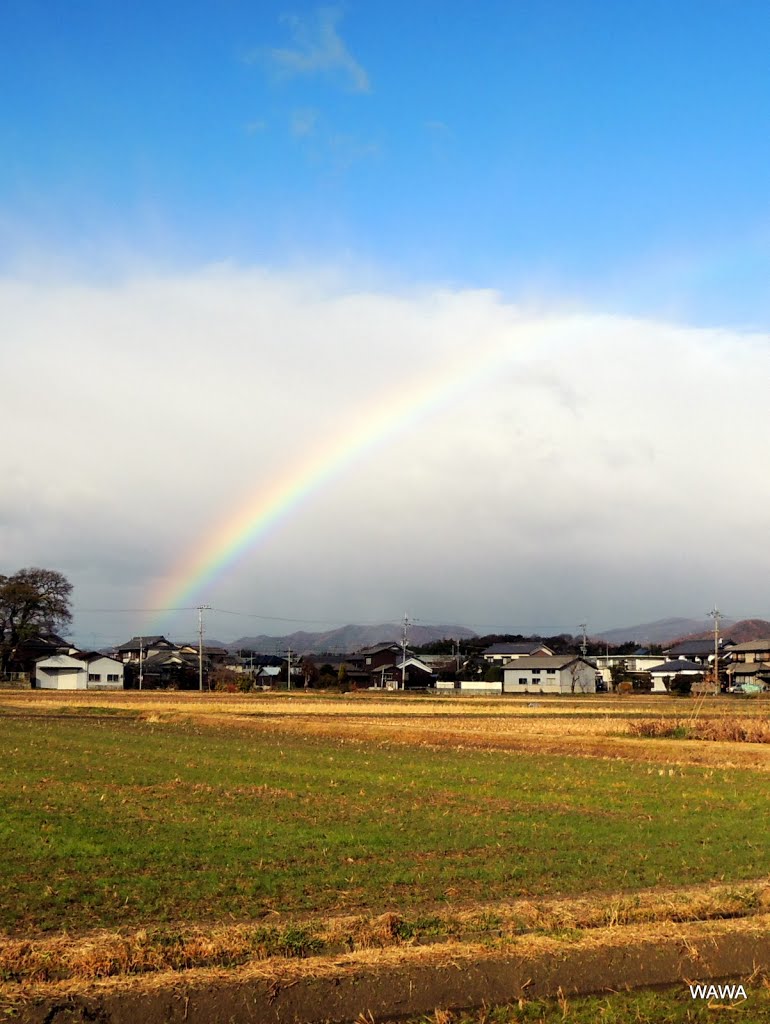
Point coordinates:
[(537, 468), (318, 49)]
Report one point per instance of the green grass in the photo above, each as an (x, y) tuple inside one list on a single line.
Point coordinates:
[(107, 823), (672, 1006)]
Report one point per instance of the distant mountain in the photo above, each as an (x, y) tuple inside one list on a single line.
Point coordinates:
[(662, 631), (740, 632), (207, 642), (350, 638)]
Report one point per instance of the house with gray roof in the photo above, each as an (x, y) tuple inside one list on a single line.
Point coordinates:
[(662, 675), (147, 645), (499, 654), (554, 673), (89, 670), (699, 651)]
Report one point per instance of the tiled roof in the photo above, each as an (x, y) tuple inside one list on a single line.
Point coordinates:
[(543, 661), (526, 647)]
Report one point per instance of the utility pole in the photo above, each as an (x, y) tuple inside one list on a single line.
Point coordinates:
[(201, 609), (716, 615), (141, 669), (288, 671), (584, 644), (404, 636)]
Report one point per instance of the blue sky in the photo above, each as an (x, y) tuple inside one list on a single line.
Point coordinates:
[(611, 154), (229, 230)]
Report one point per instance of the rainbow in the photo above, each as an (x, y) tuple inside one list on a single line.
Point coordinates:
[(268, 507)]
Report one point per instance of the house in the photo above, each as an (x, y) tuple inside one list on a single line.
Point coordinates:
[(662, 675), (499, 654), (750, 664), (374, 657), (555, 673), (170, 668), (639, 660), (79, 671), (753, 651), (216, 655), (24, 657), (701, 652), (389, 677), (144, 645)]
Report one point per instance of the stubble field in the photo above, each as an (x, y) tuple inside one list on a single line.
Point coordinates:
[(151, 838)]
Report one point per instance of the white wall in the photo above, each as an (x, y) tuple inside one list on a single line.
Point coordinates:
[(105, 667), (559, 681), (61, 672)]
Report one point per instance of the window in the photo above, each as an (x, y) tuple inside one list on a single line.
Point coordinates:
[(113, 679), (535, 671), (551, 671), (94, 677), (522, 680)]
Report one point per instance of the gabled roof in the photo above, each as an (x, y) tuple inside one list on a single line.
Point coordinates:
[(697, 647), (376, 648), (414, 663), (545, 661), (167, 658), (146, 641), (66, 661), (89, 656), (751, 645), (524, 647), (676, 665)]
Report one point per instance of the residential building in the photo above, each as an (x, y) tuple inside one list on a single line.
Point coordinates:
[(701, 652), (750, 664), (416, 673), (500, 654), (556, 673), (79, 671), (662, 675), (147, 645)]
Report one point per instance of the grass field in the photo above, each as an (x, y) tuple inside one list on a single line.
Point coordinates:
[(271, 815)]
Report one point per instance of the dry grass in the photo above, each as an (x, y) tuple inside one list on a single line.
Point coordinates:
[(720, 730), (105, 954), (600, 726), (532, 953)]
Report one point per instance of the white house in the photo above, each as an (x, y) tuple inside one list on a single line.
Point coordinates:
[(638, 661), (79, 672), (663, 674), (556, 673)]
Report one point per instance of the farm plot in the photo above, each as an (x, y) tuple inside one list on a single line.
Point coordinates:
[(191, 835)]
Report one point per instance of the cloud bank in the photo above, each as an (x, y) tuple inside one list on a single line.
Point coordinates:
[(546, 467)]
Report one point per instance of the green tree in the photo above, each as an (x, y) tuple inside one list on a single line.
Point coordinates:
[(31, 601), (342, 678)]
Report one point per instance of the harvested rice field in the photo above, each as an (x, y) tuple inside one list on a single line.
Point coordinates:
[(242, 857)]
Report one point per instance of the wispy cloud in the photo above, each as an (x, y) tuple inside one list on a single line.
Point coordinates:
[(303, 122), (318, 49), (255, 127)]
